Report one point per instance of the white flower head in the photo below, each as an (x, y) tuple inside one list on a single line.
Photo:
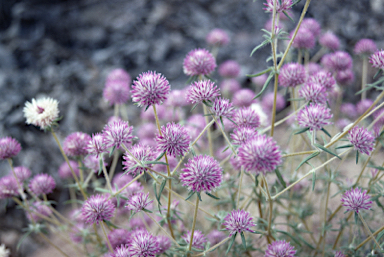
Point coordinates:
[(4, 252), (41, 112)]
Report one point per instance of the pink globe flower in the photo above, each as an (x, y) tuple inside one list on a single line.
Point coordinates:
[(75, 144), (217, 37), (292, 75), (37, 210), (202, 173), (377, 59), (116, 92), (199, 62), (260, 80), (238, 221), (246, 117), (143, 244), (65, 172), (330, 41), (363, 105), (304, 39), (119, 237), (243, 97), (339, 254), (198, 240), (349, 110), (92, 162), (312, 25), (280, 249), (164, 243), (176, 98), (119, 75), (203, 90), (345, 77), (120, 251), (222, 108), (9, 148), (150, 88), (229, 86), (242, 134), (314, 116), (362, 140), (22, 173), (96, 209), (42, 184), (174, 140), (96, 145), (138, 202), (260, 154), (340, 60), (8, 187), (355, 200), (284, 6), (229, 69), (143, 154), (323, 78), (117, 133), (313, 92), (365, 46), (312, 68)]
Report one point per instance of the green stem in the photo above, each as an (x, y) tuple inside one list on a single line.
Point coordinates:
[(209, 135), (364, 78), (194, 223), (239, 190), (369, 230), (106, 237), (165, 232)]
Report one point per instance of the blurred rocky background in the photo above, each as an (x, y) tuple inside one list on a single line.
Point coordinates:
[(64, 49)]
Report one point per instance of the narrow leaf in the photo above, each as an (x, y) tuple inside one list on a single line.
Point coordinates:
[(278, 174), (343, 146), (231, 243), (260, 73), (357, 157), (313, 180), (326, 150), (301, 131), (326, 132), (190, 195), (265, 42), (213, 196), (243, 240), (265, 84), (160, 156), (307, 159), (289, 17)]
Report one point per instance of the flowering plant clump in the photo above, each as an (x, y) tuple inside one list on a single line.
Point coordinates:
[(223, 165)]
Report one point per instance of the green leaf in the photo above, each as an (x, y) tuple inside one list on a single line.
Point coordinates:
[(377, 73), (295, 3), (146, 210), (156, 162), (289, 17), (100, 165), (296, 99), (222, 123), (280, 177), (22, 239), (343, 146), (146, 108), (231, 243), (194, 106), (112, 150), (265, 84), (307, 159), (160, 156), (259, 74), (326, 150), (211, 195), (376, 167), (326, 132), (198, 195), (357, 157), (301, 131), (162, 187), (110, 224), (265, 42), (190, 195), (102, 190), (243, 240), (313, 180), (292, 237)]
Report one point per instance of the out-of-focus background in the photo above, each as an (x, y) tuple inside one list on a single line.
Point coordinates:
[(64, 49)]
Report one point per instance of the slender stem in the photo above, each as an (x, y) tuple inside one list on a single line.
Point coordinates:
[(209, 133), (106, 237), (97, 234), (72, 195), (239, 190), (127, 185), (313, 137), (213, 247), (69, 165), (106, 175), (81, 171), (52, 244), (225, 136), (165, 232), (306, 56), (274, 105), (112, 170), (293, 95), (298, 153), (194, 223), (270, 202), (19, 186), (299, 56), (369, 230), (369, 238), (364, 77)]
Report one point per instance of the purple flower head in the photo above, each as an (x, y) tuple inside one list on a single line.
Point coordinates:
[(246, 117), (217, 37), (143, 154), (242, 134), (349, 110), (314, 116), (138, 202), (361, 139), (312, 25), (120, 251), (216, 236), (96, 145), (313, 92), (36, 209), (260, 80), (147, 130), (292, 75), (280, 249), (323, 78), (339, 254), (202, 173), (377, 59), (119, 75), (198, 240), (345, 77), (150, 88), (267, 101), (176, 98), (116, 92), (117, 133), (97, 208), (304, 39), (199, 62), (203, 90), (238, 221), (143, 244), (330, 41), (65, 172), (9, 148), (119, 237), (365, 46), (75, 144), (355, 200), (229, 69), (42, 184), (312, 68), (22, 173), (284, 6), (138, 223), (92, 162), (243, 97), (229, 86), (340, 60), (197, 120), (164, 243), (260, 154), (8, 187), (363, 105), (174, 140), (222, 108)]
